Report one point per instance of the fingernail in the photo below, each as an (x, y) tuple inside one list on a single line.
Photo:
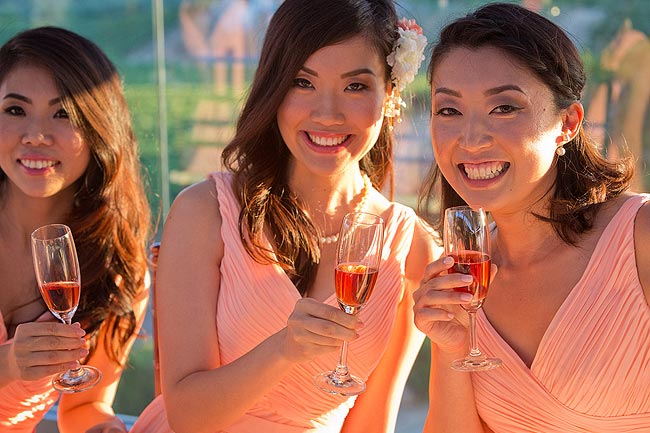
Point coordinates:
[(466, 297), (84, 351), (447, 261), (467, 278)]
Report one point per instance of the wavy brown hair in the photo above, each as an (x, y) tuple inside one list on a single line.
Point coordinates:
[(110, 218), (258, 156), (585, 179)]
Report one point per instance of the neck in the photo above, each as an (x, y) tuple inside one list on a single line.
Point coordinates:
[(328, 200), (21, 214), (523, 239)]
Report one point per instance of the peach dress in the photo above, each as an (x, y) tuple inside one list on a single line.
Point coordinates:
[(255, 301), (591, 372), (23, 404)]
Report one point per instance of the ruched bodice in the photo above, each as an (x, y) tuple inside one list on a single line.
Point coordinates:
[(591, 372), (255, 302)]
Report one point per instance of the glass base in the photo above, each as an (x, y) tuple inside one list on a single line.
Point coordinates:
[(330, 382), (475, 364), (77, 380)]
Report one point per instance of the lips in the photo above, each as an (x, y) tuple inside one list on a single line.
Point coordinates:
[(329, 140), (484, 170), (37, 164)]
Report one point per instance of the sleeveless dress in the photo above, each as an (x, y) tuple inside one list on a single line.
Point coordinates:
[(591, 372), (255, 302), (24, 403)]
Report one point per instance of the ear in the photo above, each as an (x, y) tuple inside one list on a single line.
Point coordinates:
[(572, 118)]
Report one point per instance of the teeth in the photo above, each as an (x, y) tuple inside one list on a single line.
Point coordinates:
[(487, 170), (37, 163), (327, 141)]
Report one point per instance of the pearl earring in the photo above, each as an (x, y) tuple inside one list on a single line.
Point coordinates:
[(560, 151)]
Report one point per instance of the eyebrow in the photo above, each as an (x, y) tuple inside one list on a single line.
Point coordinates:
[(489, 92), (353, 73), (29, 101)]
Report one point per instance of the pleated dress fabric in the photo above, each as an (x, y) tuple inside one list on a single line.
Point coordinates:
[(255, 302), (591, 372)]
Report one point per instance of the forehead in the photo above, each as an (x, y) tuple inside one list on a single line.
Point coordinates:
[(28, 77), (353, 53), (482, 68)]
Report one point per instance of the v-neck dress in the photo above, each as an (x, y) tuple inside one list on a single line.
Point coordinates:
[(24, 403), (591, 372), (255, 301)]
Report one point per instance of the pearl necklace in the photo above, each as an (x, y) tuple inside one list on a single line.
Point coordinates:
[(325, 240)]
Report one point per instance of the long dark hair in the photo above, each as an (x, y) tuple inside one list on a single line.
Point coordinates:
[(110, 218), (585, 179), (259, 157)]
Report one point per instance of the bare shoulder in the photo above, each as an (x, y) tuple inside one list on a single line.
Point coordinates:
[(642, 247), (425, 248), (194, 221), (201, 196)]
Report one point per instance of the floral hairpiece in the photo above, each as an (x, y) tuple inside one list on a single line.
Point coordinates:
[(405, 59)]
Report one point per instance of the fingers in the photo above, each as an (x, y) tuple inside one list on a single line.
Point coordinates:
[(315, 328), (437, 287), (113, 426), (42, 349)]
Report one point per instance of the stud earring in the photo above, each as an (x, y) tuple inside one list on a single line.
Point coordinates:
[(40, 137), (566, 137), (560, 151)]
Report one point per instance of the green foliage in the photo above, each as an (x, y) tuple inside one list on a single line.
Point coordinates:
[(136, 390)]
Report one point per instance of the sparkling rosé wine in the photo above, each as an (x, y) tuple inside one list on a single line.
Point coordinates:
[(354, 284), (61, 296), (477, 265)]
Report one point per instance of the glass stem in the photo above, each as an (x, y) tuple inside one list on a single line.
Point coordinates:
[(474, 351), (341, 373), (73, 373)]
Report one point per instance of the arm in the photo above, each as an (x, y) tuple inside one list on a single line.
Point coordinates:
[(439, 316), (200, 394), (642, 247), (377, 408), (93, 408)]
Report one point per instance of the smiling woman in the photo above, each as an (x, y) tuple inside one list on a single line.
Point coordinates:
[(68, 155), (246, 304), (568, 310)]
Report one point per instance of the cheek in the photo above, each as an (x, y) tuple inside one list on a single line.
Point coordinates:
[(367, 111)]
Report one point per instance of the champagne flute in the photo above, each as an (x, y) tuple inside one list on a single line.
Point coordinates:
[(467, 239), (59, 280), (358, 254)]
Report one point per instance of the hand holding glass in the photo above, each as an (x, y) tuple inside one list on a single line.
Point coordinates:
[(358, 254), (59, 280), (467, 239)]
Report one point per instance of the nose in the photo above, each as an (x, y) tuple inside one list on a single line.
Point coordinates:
[(475, 135), (327, 110), (37, 138)]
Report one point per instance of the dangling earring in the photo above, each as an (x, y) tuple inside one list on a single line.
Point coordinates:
[(393, 108), (561, 151)]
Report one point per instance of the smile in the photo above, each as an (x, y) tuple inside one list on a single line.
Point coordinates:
[(327, 141), (486, 170), (37, 163)]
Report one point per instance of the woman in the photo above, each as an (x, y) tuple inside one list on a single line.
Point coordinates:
[(247, 312), (67, 155), (567, 311)]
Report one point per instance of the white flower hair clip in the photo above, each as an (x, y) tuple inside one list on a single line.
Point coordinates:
[(405, 59)]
